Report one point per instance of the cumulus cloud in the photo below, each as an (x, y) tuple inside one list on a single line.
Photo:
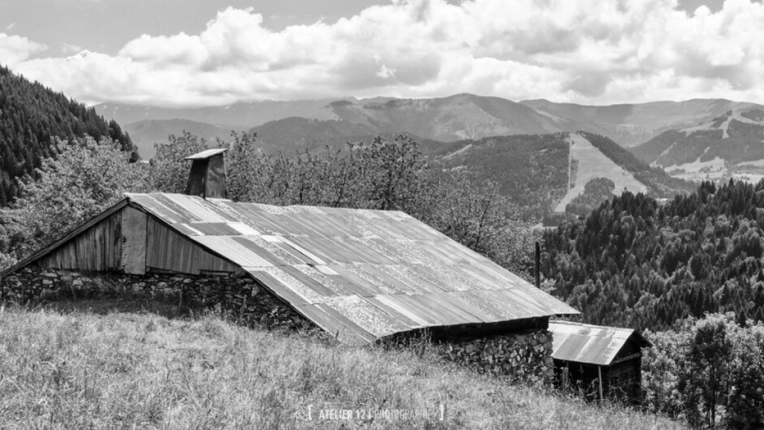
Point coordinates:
[(14, 49), (586, 51)]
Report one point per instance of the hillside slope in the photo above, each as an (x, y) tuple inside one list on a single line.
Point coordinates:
[(238, 115), (31, 115), (592, 164), (295, 134), (542, 173), (147, 132), (729, 145), (127, 370)]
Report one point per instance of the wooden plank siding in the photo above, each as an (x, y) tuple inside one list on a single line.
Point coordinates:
[(167, 250), (97, 248)]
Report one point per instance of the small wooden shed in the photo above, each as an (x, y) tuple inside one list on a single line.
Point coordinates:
[(604, 362)]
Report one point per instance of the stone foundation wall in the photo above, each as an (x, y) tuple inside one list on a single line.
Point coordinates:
[(237, 295), (521, 357)]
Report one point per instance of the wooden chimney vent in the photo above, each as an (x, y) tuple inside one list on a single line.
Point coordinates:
[(207, 177)]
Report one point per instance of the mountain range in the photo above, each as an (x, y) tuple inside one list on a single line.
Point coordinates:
[(633, 124), (465, 130), (446, 119), (730, 145)]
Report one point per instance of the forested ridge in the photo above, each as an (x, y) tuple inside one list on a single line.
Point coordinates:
[(530, 169), (31, 117), (634, 263)]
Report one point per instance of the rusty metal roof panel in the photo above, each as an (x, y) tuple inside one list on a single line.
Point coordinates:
[(366, 273), (327, 277), (411, 307), (247, 214), (321, 223), (452, 306), (371, 318), (341, 329), (232, 250), (210, 229), (277, 287), (411, 321), (168, 202), (485, 304), (584, 343), (378, 273), (349, 281), (302, 273), (254, 246), (201, 208), (166, 214)]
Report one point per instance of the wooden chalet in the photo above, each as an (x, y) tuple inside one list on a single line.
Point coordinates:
[(604, 362), (362, 275)]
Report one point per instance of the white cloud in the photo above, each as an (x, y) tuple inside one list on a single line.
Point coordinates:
[(585, 51), (68, 48), (15, 49)]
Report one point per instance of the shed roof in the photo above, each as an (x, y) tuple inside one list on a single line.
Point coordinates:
[(592, 344), (362, 274)]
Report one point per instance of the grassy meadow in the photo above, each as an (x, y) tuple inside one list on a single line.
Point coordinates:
[(91, 365)]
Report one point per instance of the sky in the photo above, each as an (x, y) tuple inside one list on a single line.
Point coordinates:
[(214, 52)]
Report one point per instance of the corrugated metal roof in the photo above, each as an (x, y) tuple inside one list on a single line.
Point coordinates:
[(206, 154), (362, 274), (584, 343)]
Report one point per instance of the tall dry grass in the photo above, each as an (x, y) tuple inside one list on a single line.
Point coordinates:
[(80, 369)]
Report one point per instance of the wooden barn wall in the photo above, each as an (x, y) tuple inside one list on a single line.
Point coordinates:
[(97, 248), (169, 251)]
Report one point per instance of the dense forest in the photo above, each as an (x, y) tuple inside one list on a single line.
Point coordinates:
[(31, 117), (531, 170), (634, 263), (595, 192)]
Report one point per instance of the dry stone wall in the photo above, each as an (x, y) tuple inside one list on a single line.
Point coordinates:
[(237, 295), (521, 357)]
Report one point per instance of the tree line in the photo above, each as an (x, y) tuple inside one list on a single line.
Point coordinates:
[(31, 117), (635, 263), (708, 372)]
